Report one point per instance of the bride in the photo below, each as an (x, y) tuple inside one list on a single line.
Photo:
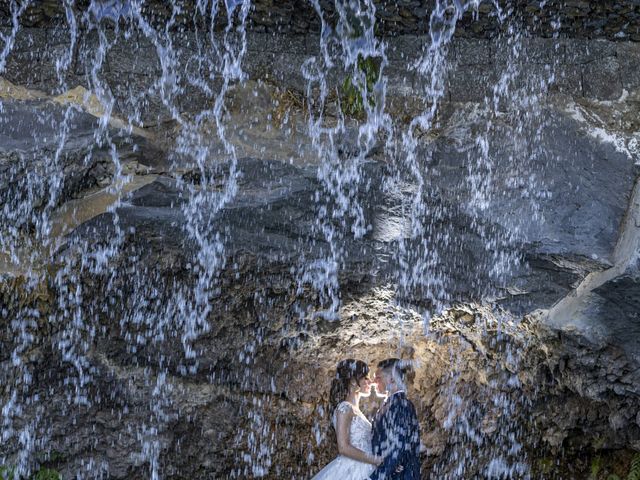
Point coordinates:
[(353, 430)]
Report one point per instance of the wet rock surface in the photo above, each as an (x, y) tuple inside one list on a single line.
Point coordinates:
[(30, 131), (571, 225), (258, 367), (37, 134), (128, 67), (581, 19), (267, 336), (270, 218), (117, 380)]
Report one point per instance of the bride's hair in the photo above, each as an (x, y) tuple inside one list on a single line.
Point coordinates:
[(346, 371)]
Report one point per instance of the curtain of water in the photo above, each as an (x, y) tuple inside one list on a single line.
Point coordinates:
[(341, 174), (184, 313), (418, 258), (160, 311), (421, 274)]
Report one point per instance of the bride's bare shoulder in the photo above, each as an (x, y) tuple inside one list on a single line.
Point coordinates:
[(344, 407)]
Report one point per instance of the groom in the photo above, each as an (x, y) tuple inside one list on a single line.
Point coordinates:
[(396, 434)]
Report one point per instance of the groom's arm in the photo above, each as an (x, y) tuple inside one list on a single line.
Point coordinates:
[(398, 439)]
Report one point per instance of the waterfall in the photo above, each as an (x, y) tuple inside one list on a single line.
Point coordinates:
[(99, 280)]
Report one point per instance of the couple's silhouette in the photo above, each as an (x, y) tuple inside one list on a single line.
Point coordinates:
[(386, 448)]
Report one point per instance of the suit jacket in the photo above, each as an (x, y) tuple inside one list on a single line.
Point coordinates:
[(396, 437)]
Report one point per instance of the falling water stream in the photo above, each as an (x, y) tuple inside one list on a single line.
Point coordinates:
[(153, 310)]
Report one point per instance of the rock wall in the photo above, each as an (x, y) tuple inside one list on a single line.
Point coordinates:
[(589, 69), (96, 373), (579, 19), (254, 406)]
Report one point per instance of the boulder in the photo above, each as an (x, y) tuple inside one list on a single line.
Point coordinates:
[(551, 195), (51, 151)]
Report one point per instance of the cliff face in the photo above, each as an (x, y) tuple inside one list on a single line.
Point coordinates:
[(578, 19), (168, 311)]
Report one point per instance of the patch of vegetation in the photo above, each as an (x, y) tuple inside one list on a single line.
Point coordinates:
[(634, 470), (52, 456), (355, 90), (7, 473), (47, 474), (545, 465), (596, 466)]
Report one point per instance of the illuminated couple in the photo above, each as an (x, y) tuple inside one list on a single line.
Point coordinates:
[(386, 448)]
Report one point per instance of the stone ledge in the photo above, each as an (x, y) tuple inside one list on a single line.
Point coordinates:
[(593, 69)]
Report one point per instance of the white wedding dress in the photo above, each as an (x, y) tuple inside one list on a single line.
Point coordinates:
[(345, 468)]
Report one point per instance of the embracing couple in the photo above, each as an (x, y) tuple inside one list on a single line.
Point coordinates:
[(388, 447)]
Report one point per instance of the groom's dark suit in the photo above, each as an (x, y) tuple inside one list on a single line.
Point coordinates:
[(396, 437)]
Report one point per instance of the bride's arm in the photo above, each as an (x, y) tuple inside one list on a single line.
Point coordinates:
[(343, 423)]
